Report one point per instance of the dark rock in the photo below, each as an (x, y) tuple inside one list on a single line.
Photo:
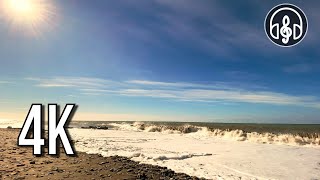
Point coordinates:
[(47, 162), (142, 176), (57, 169), (19, 178), (96, 127), (168, 173), (32, 162)]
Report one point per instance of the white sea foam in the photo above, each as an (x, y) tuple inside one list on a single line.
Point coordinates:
[(204, 154), (238, 135)]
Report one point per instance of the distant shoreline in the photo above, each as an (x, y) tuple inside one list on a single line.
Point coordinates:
[(200, 122)]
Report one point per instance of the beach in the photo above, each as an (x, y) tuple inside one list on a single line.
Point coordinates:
[(19, 163), (142, 150)]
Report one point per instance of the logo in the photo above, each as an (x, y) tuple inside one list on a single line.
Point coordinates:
[(286, 25)]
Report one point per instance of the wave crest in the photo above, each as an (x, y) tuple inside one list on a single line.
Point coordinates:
[(234, 134)]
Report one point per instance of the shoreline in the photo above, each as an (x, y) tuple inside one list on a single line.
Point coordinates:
[(19, 163)]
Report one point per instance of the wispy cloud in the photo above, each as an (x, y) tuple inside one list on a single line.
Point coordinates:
[(186, 85), (77, 82), (301, 68), (5, 82), (157, 83), (178, 91), (212, 95)]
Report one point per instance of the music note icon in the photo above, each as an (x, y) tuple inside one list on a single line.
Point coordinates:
[(286, 25)]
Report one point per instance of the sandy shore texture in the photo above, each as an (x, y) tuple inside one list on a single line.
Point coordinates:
[(19, 163)]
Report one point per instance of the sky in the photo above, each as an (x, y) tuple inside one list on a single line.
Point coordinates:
[(159, 60)]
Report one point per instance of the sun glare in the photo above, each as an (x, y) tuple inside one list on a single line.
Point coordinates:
[(28, 15), (22, 7)]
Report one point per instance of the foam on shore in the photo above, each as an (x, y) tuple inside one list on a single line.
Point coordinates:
[(312, 139), (202, 155)]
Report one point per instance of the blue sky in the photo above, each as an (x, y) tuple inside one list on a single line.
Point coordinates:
[(161, 60)]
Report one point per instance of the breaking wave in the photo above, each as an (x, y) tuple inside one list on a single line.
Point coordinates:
[(301, 138)]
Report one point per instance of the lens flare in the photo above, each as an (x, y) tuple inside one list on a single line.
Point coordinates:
[(28, 16), (24, 7)]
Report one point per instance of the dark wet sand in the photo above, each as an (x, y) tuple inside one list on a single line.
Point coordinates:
[(19, 163)]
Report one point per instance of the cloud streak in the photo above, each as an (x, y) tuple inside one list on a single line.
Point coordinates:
[(75, 82), (302, 68), (178, 91), (5, 82)]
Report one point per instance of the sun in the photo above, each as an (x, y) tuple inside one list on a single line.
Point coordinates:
[(29, 16), (22, 7)]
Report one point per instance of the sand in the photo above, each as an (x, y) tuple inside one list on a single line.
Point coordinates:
[(19, 163)]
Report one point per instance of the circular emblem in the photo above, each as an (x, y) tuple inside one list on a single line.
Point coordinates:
[(286, 25)]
